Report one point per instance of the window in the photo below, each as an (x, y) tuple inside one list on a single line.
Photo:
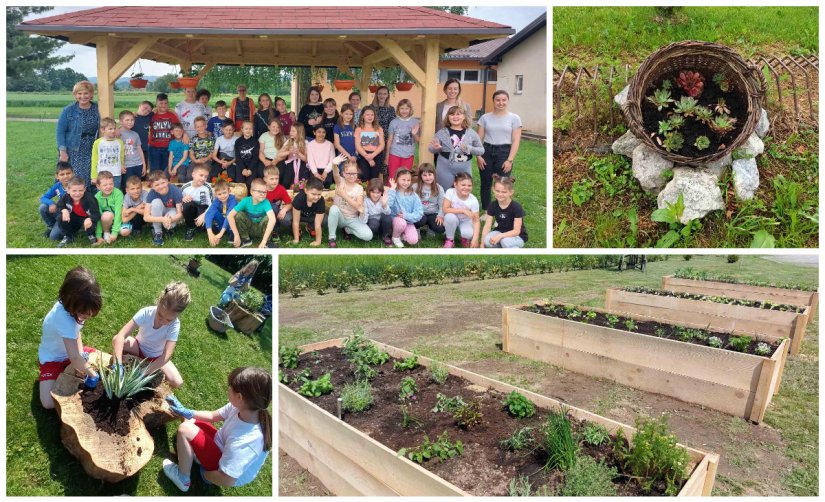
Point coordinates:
[(471, 76), (492, 76), (456, 74), (463, 76), (519, 85)]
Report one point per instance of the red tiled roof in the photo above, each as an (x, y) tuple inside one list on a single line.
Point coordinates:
[(264, 20), (477, 51)]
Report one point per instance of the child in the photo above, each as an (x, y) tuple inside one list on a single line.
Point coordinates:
[(278, 197), (292, 158), (247, 150), (432, 199), (369, 143), (454, 146), (215, 124), (134, 159), (233, 454), (223, 156), (347, 208), (158, 329), (78, 211), (402, 136), (319, 156), (252, 217), (312, 113), (405, 209), (110, 203), (285, 118), (61, 345), (510, 231), (242, 107), (215, 219), (189, 110), (143, 121), (178, 154), (238, 283), (265, 114), (203, 96), (201, 147), (308, 207), (164, 206), (378, 211), (384, 114), (344, 133), (160, 133), (108, 151), (134, 205), (330, 117), (270, 144), (197, 196), (48, 208), (355, 102), (461, 212)]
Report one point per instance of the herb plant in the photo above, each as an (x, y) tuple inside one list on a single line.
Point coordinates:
[(520, 440), (125, 384), (612, 320), (594, 434), (519, 406), (520, 487), (588, 478), (739, 343), (763, 349), (655, 459), (558, 442), (439, 373), (715, 341), (447, 404), (316, 388), (407, 389), (442, 449), (356, 397), (288, 356), (407, 364), (468, 415), (630, 324)]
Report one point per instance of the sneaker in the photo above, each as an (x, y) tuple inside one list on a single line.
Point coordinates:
[(396, 241), (272, 244), (65, 241), (189, 235), (449, 244), (92, 240), (332, 243), (465, 243), (310, 230), (157, 238), (347, 235), (387, 241), (246, 243), (173, 473)]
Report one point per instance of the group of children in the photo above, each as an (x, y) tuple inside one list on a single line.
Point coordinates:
[(347, 149), (229, 456)]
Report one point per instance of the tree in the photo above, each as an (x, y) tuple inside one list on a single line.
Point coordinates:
[(458, 11), (161, 84), (61, 79), (26, 55)]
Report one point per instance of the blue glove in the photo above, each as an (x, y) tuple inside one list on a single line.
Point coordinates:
[(178, 409), (91, 382), (120, 369)]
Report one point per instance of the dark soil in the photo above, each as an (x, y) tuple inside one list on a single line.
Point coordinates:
[(727, 300), (651, 328), (485, 468), (735, 99), (111, 416)]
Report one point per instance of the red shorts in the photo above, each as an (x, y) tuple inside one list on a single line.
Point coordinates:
[(52, 369), (204, 446), (395, 163), (141, 354)]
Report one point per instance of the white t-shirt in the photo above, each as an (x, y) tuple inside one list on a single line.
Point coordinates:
[(242, 445), (57, 325), (226, 146), (152, 341), (187, 113), (201, 195), (470, 203)]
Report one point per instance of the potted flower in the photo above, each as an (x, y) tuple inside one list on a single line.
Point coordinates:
[(343, 84), (189, 79), (195, 262), (319, 86), (404, 86), (374, 87), (137, 81), (174, 85)]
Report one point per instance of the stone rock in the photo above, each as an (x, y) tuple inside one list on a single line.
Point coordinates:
[(626, 144), (745, 178), (621, 97), (752, 147), (699, 190), (648, 168), (717, 168), (763, 125)]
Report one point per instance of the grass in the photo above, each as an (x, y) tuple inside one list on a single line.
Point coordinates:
[(31, 156), (460, 337), (629, 34), (36, 461)]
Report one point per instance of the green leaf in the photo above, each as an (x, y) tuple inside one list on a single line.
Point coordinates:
[(762, 239), (668, 240), (664, 215)]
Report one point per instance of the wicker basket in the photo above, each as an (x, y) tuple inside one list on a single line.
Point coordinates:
[(708, 58)]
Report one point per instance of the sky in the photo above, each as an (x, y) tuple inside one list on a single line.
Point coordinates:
[(84, 60)]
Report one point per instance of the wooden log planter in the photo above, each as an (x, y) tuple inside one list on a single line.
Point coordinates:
[(736, 383), (742, 291), (110, 457), (242, 319), (349, 462), (768, 324)]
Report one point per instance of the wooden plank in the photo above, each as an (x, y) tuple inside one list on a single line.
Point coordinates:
[(763, 393), (799, 326), (741, 291), (105, 89), (404, 59), (505, 330), (695, 484), (783, 356), (710, 475), (128, 59)]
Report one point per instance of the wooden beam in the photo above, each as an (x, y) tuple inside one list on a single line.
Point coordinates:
[(345, 70), (169, 51), (366, 77), (105, 89), (354, 49), (404, 60), (314, 50), (128, 59), (377, 56), (276, 49), (239, 48), (429, 97), (205, 69)]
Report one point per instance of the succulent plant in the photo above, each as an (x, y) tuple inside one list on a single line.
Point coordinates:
[(673, 141), (676, 121), (686, 106), (703, 114), (702, 143), (660, 99), (721, 107), (722, 124), (664, 127), (722, 81), (692, 82)]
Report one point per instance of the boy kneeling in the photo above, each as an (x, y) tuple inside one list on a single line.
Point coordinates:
[(253, 217)]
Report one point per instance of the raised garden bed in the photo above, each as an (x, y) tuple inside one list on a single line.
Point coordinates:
[(748, 319), (242, 319), (742, 290), (349, 458), (648, 354)]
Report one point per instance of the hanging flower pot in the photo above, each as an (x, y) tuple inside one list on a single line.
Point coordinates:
[(373, 88), (404, 86), (174, 84), (188, 82), (138, 83), (343, 85)]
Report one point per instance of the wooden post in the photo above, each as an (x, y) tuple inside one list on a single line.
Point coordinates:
[(105, 87), (366, 77), (429, 97)]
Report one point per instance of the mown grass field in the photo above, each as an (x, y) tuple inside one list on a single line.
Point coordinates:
[(31, 154), (461, 324), (37, 464), (596, 200)]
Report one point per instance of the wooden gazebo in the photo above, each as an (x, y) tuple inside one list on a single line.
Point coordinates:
[(368, 37)]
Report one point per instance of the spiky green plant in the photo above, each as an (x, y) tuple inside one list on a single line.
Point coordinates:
[(673, 141), (676, 121), (686, 106), (703, 114), (721, 107), (702, 143), (123, 385), (722, 124), (660, 99)]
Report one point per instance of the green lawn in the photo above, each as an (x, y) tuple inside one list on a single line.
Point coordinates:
[(36, 461), (31, 156)]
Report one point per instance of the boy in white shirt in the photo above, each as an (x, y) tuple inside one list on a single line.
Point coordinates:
[(197, 196)]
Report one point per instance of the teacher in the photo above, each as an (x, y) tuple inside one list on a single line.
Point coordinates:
[(452, 89), (77, 129), (500, 130)]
